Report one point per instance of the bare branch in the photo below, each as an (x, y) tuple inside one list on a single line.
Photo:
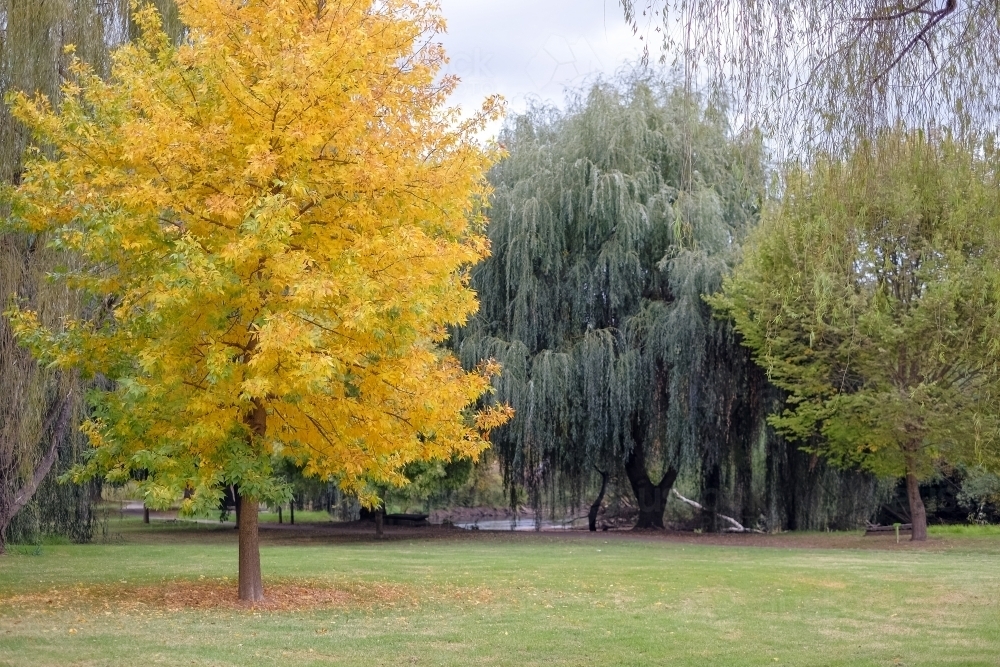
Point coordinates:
[(936, 18)]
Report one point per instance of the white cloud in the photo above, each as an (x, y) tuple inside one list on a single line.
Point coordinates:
[(524, 49)]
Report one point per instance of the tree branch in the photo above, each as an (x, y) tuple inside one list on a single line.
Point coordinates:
[(935, 18), (57, 425), (906, 11)]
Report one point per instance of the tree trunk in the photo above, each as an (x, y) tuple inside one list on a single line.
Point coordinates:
[(279, 513), (651, 498), (251, 588), (251, 585), (145, 514), (918, 514), (291, 511), (596, 507), (710, 484), (379, 520), (57, 426)]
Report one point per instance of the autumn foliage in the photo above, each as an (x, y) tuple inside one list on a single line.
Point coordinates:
[(276, 220)]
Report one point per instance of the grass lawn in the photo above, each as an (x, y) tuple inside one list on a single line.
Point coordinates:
[(162, 594)]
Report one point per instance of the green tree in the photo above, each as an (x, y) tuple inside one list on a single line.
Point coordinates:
[(606, 231), (871, 294)]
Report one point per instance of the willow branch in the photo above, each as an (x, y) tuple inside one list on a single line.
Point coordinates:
[(57, 426)]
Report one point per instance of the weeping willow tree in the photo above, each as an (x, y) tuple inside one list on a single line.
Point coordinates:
[(40, 409), (609, 223), (827, 74)]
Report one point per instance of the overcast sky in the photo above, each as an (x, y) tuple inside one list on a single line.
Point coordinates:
[(526, 49)]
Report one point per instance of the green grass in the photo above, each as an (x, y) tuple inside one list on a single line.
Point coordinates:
[(964, 531), (502, 599)]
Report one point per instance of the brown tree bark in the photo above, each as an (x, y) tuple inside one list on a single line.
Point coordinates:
[(918, 514), (57, 427), (145, 514), (652, 498), (596, 507), (251, 586)]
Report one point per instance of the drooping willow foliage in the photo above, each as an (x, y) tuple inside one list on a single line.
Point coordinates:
[(608, 224), (826, 74), (33, 58)]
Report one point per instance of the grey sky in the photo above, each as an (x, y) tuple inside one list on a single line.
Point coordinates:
[(526, 49)]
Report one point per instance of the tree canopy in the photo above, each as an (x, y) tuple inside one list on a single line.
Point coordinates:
[(274, 218), (608, 223), (826, 73), (871, 294), (42, 407)]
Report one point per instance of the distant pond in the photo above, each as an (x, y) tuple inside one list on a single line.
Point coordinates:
[(521, 523)]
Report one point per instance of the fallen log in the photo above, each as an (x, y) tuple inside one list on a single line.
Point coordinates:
[(737, 527), (411, 520)]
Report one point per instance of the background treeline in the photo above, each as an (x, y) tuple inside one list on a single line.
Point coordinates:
[(610, 223)]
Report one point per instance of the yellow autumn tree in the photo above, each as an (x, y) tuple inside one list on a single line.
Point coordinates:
[(275, 221)]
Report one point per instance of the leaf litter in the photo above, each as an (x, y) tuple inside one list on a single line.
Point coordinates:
[(211, 594)]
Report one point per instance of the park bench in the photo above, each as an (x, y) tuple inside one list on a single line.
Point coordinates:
[(872, 529)]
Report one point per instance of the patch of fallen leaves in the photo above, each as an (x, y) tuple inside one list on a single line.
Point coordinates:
[(211, 594)]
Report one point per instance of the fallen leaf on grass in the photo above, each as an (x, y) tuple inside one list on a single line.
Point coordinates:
[(222, 594)]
